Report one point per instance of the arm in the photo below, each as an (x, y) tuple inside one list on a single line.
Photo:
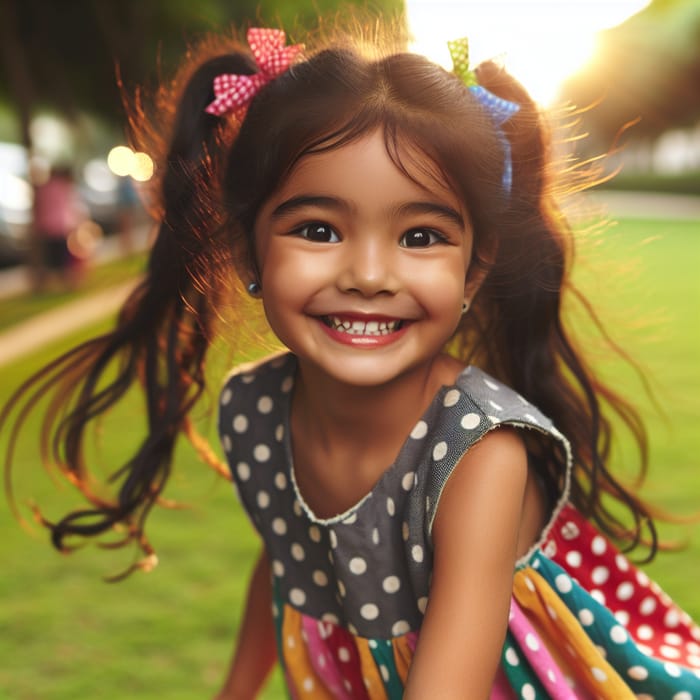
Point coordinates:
[(475, 538), (255, 649)]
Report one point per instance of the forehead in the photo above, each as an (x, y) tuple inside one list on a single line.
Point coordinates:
[(371, 163)]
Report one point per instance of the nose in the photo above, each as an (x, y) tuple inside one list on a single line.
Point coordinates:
[(368, 268)]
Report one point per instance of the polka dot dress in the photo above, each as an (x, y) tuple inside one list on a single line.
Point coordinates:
[(350, 592)]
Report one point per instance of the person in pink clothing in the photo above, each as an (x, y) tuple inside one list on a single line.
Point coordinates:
[(58, 212)]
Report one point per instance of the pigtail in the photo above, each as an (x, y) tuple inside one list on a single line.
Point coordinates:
[(524, 316), (160, 339)]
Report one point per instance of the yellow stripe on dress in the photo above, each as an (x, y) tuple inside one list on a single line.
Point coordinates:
[(301, 675), (565, 639)]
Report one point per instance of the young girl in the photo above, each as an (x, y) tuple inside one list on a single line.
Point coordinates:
[(425, 463)]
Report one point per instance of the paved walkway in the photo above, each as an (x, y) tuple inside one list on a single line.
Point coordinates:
[(42, 329)]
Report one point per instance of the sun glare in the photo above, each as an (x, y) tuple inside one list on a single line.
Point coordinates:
[(539, 42)]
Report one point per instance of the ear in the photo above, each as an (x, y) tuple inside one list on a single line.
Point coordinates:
[(483, 259), (244, 260)]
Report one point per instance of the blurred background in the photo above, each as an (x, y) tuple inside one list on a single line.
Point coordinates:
[(623, 75)]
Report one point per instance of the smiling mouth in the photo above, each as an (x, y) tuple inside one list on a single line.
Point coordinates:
[(363, 328)]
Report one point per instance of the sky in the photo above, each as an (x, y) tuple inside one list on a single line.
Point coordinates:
[(540, 42)]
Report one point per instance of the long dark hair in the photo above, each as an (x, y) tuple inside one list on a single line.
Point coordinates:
[(215, 175)]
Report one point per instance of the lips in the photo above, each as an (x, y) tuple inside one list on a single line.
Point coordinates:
[(362, 327)]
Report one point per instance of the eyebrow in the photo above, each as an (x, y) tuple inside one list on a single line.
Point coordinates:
[(293, 204)]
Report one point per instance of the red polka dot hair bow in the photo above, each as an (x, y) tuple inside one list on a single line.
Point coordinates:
[(234, 92)]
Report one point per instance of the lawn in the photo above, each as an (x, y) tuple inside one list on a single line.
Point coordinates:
[(64, 633)]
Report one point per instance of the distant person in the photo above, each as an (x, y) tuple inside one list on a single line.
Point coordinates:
[(426, 459), (58, 212)]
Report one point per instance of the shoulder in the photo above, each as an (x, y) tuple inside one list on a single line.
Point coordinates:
[(273, 374)]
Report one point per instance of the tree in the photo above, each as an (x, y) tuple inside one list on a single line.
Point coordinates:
[(66, 55)]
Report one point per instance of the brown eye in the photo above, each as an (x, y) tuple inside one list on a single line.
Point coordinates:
[(318, 233), (420, 238)]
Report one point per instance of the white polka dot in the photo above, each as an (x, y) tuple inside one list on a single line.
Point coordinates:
[(600, 575), (308, 684), (297, 551), (683, 695), (407, 481), (645, 632), (574, 559), (287, 384), (263, 499), (551, 675), (385, 673), (586, 617), (341, 589), (333, 538), (672, 618), (331, 619), (551, 612), (369, 611), (320, 579), (618, 634), (598, 545), (390, 506), (598, 596), (638, 673), (599, 674), (280, 481), (451, 398), (261, 453), (240, 423), (314, 534), (279, 433), (563, 583), (343, 654), (427, 504), (417, 553), (279, 526), (358, 565), (226, 396), (625, 591), (673, 638), (623, 617), (530, 585), (296, 506), (569, 530), (277, 568), (265, 404), (647, 606), (226, 442), (512, 656), (495, 406), (297, 596), (422, 604), (247, 378), (621, 562), (375, 536), (669, 652), (470, 421), (439, 451), (391, 584), (672, 670), (642, 579), (532, 642), (528, 692), (492, 385), (400, 627), (420, 430), (243, 471), (405, 532)]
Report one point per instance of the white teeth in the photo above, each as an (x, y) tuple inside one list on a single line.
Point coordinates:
[(362, 327)]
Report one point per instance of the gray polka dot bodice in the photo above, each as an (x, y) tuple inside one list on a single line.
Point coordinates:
[(367, 569)]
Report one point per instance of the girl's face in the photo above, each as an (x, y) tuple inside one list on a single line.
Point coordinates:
[(363, 270)]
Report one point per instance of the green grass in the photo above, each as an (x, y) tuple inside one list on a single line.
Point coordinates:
[(66, 634)]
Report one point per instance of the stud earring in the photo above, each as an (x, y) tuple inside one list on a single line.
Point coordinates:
[(465, 306), (254, 289)]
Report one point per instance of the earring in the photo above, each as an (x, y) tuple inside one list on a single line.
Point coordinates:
[(465, 306), (254, 289)]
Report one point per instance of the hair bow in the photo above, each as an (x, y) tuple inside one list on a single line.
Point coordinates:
[(234, 92), (498, 109)]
